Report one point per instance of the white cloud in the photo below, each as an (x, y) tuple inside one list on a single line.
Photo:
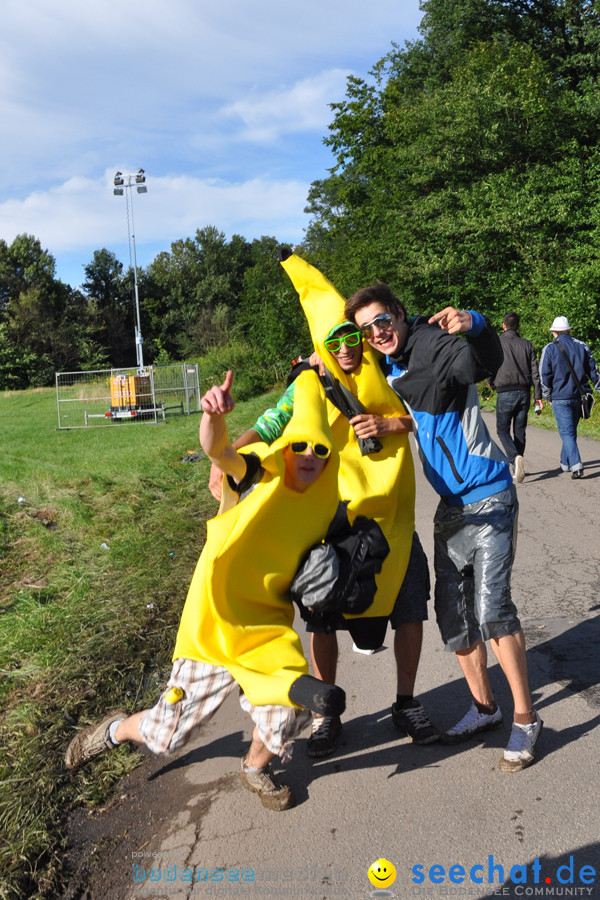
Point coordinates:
[(231, 99), (84, 214), (303, 106)]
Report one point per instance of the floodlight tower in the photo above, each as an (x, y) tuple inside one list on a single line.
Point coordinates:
[(123, 185)]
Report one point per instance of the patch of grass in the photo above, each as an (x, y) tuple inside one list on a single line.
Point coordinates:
[(100, 531)]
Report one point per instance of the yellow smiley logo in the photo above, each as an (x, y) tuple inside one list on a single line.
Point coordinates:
[(382, 873)]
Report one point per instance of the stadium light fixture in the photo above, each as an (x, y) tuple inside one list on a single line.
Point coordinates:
[(124, 183)]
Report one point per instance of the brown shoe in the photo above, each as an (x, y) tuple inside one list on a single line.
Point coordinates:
[(92, 741), (273, 794)]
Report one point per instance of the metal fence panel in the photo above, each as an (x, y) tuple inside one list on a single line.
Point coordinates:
[(104, 397)]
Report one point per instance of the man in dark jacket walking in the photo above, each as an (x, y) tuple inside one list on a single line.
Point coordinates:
[(563, 392), (512, 383)]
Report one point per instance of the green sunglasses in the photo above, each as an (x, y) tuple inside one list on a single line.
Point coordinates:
[(351, 340), (320, 450)]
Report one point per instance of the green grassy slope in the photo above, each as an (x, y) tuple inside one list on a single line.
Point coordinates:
[(85, 627)]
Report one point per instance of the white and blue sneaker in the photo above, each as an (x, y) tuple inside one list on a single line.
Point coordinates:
[(520, 751), (473, 722)]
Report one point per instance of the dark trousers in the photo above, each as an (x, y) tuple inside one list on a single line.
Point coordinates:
[(511, 414)]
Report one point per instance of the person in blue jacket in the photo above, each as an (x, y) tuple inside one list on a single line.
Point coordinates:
[(563, 392), (434, 370)]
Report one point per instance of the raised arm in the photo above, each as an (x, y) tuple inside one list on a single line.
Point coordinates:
[(215, 478), (267, 428), (454, 321), (482, 355), (214, 436)]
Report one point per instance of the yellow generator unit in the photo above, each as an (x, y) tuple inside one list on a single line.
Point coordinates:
[(130, 391)]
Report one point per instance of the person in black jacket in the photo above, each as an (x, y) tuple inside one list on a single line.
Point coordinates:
[(512, 382)]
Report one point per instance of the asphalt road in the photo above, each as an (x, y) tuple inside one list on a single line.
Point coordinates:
[(443, 816)]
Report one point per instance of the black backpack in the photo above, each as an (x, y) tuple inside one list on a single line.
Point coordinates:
[(337, 575)]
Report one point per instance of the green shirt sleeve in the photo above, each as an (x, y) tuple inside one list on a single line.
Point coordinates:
[(271, 424)]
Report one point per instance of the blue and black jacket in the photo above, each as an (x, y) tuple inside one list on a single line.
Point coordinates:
[(557, 381), (435, 375)]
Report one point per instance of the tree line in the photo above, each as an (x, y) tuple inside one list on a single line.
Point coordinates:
[(467, 166), (225, 303), (466, 172)]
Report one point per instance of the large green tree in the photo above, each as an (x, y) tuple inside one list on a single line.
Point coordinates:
[(193, 290), (466, 167), (111, 304), (269, 311), (42, 321)]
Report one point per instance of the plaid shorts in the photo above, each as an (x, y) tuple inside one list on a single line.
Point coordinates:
[(169, 725)]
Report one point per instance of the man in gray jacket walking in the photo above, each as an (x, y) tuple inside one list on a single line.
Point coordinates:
[(512, 383)]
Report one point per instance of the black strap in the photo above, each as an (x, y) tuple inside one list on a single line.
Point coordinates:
[(582, 393), (342, 399), (254, 473), (349, 406)]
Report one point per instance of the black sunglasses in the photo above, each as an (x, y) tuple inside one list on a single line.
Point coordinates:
[(320, 450)]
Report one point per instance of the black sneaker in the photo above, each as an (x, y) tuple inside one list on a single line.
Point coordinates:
[(324, 734), (577, 473), (414, 721)]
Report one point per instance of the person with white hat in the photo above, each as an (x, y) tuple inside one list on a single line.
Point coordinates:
[(567, 366)]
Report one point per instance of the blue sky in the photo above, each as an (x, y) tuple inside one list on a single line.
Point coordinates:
[(223, 103)]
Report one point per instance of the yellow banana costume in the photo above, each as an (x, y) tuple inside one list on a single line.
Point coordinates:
[(380, 486), (237, 613)]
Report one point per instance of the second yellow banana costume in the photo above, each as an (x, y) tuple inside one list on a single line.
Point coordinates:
[(380, 486)]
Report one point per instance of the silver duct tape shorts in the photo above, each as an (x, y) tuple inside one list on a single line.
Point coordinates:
[(474, 552)]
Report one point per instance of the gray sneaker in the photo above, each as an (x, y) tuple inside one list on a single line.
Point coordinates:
[(92, 741), (521, 747), (519, 469), (273, 794), (472, 723)]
